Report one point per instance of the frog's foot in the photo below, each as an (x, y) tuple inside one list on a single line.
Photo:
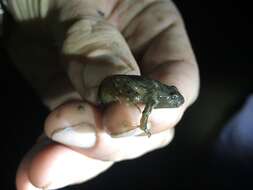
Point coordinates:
[(143, 125), (144, 119), (147, 132)]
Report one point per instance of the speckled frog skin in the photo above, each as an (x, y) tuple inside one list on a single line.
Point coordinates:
[(139, 90)]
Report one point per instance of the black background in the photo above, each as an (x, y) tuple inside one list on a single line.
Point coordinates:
[(221, 38)]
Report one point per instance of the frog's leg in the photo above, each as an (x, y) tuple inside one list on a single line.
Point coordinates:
[(144, 118)]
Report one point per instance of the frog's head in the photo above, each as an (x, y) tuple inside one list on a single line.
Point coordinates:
[(170, 98)]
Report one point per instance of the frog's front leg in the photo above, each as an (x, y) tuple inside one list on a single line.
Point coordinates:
[(144, 118)]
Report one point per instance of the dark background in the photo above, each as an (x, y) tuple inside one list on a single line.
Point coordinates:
[(221, 37)]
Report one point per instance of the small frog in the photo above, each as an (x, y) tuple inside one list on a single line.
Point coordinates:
[(139, 90)]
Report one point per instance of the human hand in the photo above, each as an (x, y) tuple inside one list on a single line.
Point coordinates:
[(89, 35)]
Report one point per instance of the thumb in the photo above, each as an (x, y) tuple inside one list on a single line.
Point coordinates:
[(92, 50)]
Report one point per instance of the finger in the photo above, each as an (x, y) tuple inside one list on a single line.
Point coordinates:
[(74, 124), (125, 148), (22, 179), (80, 31), (124, 12), (43, 168), (92, 50), (167, 53), (79, 126), (122, 119)]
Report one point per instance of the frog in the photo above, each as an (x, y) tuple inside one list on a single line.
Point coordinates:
[(139, 89)]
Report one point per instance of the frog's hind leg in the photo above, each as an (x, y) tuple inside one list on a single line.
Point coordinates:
[(144, 119)]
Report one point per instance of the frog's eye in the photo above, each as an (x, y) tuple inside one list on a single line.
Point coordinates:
[(173, 87), (174, 97)]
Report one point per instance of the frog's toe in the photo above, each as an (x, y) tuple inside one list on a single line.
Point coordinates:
[(148, 133), (146, 130)]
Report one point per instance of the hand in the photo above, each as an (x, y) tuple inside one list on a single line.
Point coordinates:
[(96, 40)]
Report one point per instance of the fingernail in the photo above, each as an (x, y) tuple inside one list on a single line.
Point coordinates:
[(81, 135), (133, 132), (137, 131)]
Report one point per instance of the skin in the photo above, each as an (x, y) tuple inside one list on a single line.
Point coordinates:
[(96, 39)]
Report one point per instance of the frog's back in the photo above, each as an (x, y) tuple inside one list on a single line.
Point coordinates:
[(133, 87), (135, 82)]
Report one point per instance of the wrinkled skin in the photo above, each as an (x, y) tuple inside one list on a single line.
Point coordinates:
[(139, 90), (65, 49)]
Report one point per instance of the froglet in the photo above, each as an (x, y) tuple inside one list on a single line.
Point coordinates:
[(136, 90)]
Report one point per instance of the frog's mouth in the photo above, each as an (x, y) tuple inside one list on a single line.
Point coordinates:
[(180, 100), (176, 100)]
